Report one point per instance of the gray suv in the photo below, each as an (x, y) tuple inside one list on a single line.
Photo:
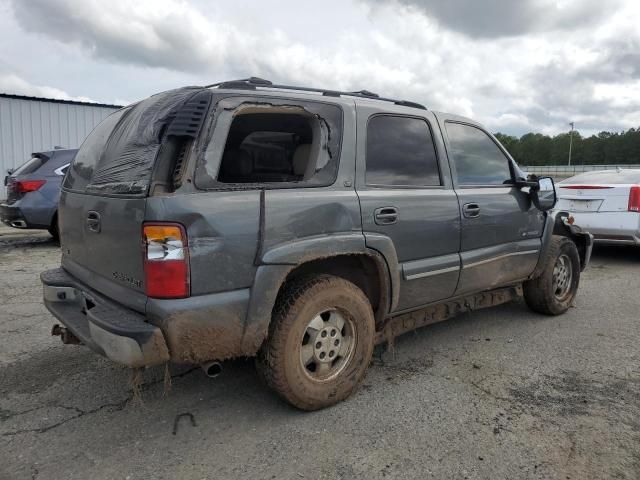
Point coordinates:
[(298, 225), (33, 190)]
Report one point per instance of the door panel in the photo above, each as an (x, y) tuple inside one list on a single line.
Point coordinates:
[(504, 215), (501, 229), (426, 237), (423, 222), (490, 267)]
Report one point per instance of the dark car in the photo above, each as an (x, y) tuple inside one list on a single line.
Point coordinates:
[(33, 190), (297, 225)]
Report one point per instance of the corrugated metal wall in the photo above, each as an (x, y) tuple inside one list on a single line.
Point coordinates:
[(33, 125)]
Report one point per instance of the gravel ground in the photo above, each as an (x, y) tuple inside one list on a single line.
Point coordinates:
[(496, 394)]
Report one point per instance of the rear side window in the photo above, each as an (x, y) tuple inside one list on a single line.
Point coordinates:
[(400, 151), (478, 160), (279, 144)]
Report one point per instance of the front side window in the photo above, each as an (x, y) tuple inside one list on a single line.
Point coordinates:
[(478, 160), (401, 152)]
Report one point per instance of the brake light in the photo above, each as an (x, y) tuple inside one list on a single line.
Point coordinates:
[(634, 198), (24, 186), (584, 187), (166, 260)]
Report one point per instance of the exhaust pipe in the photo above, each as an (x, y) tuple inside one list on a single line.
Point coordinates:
[(67, 337), (212, 369), (18, 224)]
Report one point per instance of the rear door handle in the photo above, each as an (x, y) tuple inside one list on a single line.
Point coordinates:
[(385, 215), (471, 210)]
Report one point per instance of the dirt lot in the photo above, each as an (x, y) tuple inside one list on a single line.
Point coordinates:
[(496, 394)]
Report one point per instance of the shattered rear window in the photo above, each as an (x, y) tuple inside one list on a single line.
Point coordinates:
[(274, 143), (118, 156)]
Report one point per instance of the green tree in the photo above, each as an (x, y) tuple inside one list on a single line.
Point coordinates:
[(601, 149)]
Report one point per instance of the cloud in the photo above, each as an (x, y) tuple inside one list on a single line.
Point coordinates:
[(154, 33), (502, 18), (11, 83), (498, 64)]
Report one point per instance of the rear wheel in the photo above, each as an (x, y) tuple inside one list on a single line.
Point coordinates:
[(553, 292), (320, 342)]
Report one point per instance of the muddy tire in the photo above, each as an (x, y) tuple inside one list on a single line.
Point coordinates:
[(553, 292), (320, 342)]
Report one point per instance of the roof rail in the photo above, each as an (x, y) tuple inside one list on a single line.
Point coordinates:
[(252, 82)]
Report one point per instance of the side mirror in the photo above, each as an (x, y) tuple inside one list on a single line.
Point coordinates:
[(543, 195)]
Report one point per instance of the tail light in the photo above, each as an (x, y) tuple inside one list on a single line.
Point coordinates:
[(166, 260), (634, 198), (24, 186)]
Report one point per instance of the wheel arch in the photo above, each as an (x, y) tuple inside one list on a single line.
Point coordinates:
[(367, 269)]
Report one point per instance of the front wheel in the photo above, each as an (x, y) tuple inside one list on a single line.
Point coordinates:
[(320, 342), (553, 292)]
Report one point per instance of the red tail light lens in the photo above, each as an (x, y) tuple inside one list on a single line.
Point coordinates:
[(634, 199), (24, 186), (166, 260)]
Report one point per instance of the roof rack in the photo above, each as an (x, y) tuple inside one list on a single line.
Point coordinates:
[(252, 82)]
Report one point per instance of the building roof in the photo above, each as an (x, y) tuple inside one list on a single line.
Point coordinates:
[(56, 100)]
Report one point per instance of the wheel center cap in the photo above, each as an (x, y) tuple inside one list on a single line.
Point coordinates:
[(326, 344)]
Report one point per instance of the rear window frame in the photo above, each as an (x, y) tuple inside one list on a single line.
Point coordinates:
[(208, 132)]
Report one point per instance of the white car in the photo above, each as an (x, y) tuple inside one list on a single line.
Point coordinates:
[(605, 203)]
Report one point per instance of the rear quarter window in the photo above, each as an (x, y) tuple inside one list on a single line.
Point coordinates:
[(118, 157)]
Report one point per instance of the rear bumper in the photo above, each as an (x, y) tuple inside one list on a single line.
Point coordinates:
[(106, 328), (190, 330), (22, 214), (621, 228), (12, 216)]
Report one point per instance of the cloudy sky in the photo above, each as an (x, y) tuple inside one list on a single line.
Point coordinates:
[(517, 66)]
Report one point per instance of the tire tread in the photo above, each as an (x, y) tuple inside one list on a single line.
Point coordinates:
[(537, 294), (271, 355)]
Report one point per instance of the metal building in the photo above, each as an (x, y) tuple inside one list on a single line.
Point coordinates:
[(32, 124)]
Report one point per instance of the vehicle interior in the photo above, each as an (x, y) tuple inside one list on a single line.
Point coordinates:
[(271, 145)]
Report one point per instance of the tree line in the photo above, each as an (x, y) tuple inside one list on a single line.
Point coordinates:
[(605, 148)]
